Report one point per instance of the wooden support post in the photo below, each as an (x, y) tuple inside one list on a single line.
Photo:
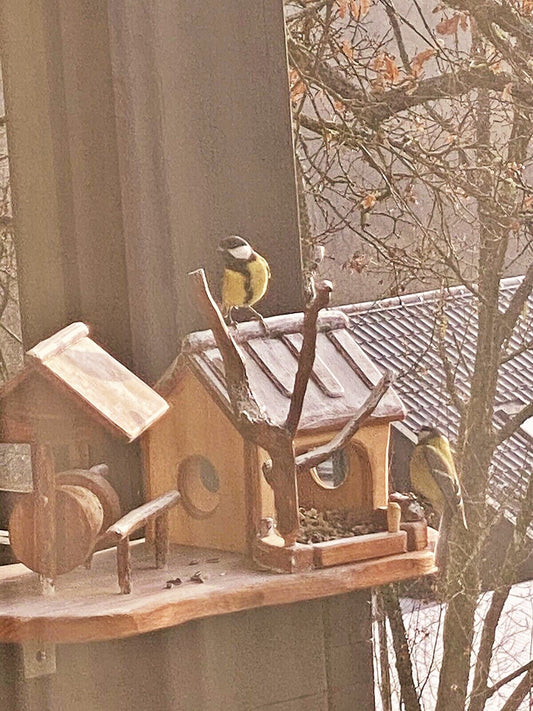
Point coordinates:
[(44, 519), (124, 565), (161, 540)]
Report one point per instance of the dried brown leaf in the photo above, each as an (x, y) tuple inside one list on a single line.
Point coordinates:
[(343, 7), (368, 202), (449, 25), (347, 49), (359, 8), (417, 64), (385, 65), (297, 85)]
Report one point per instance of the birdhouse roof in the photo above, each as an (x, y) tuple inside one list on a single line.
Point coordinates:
[(86, 373), (342, 376)]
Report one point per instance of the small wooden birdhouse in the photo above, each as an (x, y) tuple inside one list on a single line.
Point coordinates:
[(226, 500), (70, 394)]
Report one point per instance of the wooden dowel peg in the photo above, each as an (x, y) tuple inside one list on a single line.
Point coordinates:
[(394, 514), (161, 540), (124, 565)]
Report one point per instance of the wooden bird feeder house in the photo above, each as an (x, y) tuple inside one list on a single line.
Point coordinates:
[(227, 502), (70, 394)]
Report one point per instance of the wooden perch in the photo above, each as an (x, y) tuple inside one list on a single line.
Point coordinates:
[(237, 384), (253, 424), (139, 517), (119, 534), (313, 458)]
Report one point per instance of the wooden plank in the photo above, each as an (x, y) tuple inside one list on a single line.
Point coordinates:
[(87, 608), (127, 405), (352, 352), (297, 558), (417, 534), (57, 343), (44, 513), (321, 374), (347, 550), (276, 361)]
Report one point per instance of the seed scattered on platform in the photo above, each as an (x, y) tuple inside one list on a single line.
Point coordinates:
[(317, 526)]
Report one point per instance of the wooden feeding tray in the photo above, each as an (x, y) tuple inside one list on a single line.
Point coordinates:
[(350, 539), (85, 608)]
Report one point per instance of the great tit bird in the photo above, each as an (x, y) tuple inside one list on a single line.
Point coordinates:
[(433, 474), (246, 276)]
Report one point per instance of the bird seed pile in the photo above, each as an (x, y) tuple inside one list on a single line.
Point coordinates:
[(317, 526)]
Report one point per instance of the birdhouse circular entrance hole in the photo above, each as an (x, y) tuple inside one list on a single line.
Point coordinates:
[(333, 471), (199, 485)]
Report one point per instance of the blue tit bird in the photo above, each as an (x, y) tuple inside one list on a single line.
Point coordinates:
[(434, 476), (246, 276)]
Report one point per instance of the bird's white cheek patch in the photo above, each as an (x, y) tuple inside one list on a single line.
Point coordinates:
[(242, 252)]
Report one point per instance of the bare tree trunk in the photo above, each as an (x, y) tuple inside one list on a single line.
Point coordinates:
[(476, 439), (384, 661), (401, 647)]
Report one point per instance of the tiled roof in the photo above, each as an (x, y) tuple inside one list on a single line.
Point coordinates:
[(400, 334), (341, 380)]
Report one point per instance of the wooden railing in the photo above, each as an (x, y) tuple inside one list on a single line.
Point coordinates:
[(119, 533)]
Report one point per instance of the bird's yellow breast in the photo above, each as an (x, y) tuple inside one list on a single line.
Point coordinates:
[(423, 482), (245, 288)]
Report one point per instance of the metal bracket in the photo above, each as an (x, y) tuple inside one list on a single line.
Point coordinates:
[(38, 658)]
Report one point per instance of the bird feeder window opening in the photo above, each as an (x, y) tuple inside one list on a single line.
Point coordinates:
[(199, 484), (333, 472), (343, 481)]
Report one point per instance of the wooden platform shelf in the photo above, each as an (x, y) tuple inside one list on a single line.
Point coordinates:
[(88, 606)]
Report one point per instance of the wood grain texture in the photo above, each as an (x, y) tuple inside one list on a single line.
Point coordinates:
[(39, 530), (417, 534), (99, 486), (86, 606), (126, 404), (297, 558), (394, 514), (124, 565), (346, 550), (78, 519), (194, 426), (58, 342), (162, 544)]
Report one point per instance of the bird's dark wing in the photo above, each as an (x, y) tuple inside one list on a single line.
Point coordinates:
[(444, 478)]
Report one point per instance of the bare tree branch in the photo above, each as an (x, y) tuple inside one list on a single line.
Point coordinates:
[(316, 456), (307, 354), (511, 315), (513, 423), (519, 694)]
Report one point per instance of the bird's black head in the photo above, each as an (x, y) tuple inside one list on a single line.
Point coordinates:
[(427, 432), (235, 249)]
